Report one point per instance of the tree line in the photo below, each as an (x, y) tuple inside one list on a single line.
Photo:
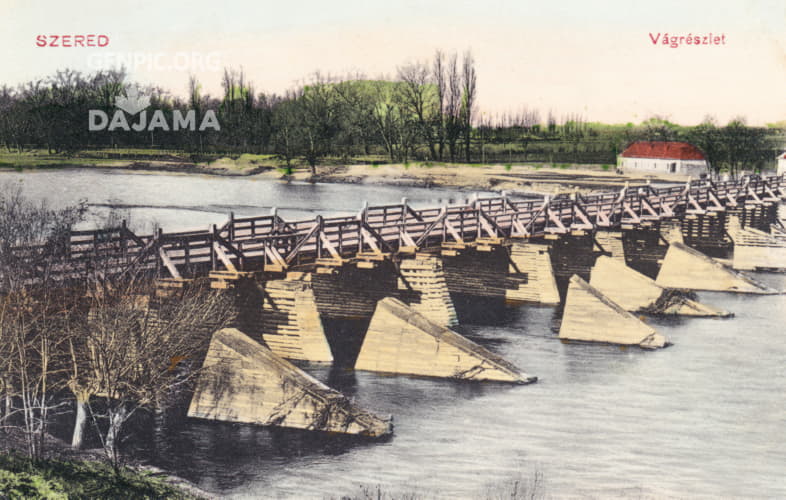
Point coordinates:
[(427, 112)]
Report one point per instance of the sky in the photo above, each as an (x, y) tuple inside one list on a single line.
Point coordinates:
[(596, 59)]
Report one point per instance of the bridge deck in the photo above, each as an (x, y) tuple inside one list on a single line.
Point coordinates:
[(270, 243)]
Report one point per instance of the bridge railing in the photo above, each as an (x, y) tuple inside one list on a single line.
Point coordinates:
[(276, 243)]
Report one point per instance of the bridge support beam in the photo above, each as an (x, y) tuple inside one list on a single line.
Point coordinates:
[(244, 381), (535, 262), (402, 340), (289, 322), (686, 268), (424, 288), (635, 292), (590, 316)]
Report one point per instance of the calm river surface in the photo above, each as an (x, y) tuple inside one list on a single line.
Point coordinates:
[(704, 418)]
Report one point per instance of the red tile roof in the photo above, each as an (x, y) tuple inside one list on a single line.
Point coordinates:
[(663, 150)]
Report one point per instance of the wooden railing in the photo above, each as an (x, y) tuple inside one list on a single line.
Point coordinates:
[(270, 243)]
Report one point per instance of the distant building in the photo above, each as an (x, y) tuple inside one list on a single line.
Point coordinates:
[(782, 164), (663, 157)]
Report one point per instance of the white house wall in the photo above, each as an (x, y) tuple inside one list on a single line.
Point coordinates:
[(663, 166)]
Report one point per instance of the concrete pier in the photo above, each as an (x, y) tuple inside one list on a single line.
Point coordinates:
[(590, 316), (244, 381), (401, 340), (686, 268), (635, 292), (534, 261)]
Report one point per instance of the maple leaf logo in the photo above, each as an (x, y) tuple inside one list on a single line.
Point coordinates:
[(132, 103)]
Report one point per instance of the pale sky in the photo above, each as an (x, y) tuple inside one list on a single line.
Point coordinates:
[(593, 58)]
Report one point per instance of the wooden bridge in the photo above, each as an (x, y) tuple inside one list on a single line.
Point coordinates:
[(273, 245)]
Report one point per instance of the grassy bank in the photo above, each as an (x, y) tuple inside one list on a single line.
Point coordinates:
[(21, 477)]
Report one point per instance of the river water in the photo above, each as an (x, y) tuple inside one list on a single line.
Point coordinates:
[(704, 418)]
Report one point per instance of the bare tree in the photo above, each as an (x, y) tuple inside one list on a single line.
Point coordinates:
[(469, 79), (438, 72), (453, 105), (33, 241), (134, 349), (417, 97), (318, 110)]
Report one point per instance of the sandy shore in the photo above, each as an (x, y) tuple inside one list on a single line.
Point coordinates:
[(544, 179), (516, 178)]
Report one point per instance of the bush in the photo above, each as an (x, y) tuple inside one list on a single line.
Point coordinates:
[(25, 485), (24, 478)]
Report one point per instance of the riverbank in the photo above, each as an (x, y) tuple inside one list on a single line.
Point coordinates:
[(68, 473), (537, 178)]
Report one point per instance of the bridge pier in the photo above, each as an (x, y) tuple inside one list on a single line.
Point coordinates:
[(349, 292), (571, 254), (612, 243), (645, 249), (534, 261), (478, 280), (687, 268), (289, 322), (756, 249), (424, 287), (244, 381), (403, 341), (590, 316), (707, 233), (635, 292)]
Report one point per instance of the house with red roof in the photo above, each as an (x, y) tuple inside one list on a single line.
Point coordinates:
[(663, 157), (782, 164)]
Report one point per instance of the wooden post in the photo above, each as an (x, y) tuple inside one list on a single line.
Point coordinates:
[(186, 253), (402, 226), (213, 241), (158, 236), (444, 226), (123, 241), (231, 226), (362, 216), (320, 223)]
